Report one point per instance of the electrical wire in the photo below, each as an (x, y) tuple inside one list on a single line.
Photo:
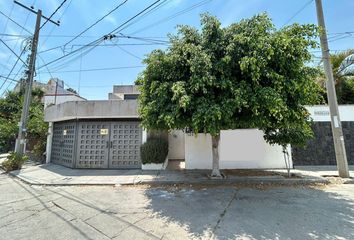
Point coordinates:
[(298, 12), (183, 11), (56, 10), (13, 52), (96, 69), (19, 25), (13, 67), (100, 40), (95, 23)]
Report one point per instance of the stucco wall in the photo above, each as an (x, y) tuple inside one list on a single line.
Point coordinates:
[(176, 145), (243, 148)]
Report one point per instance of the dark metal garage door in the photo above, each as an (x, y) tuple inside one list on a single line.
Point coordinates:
[(109, 145), (63, 144)]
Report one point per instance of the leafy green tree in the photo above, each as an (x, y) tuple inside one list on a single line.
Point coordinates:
[(10, 114), (246, 75), (344, 80)]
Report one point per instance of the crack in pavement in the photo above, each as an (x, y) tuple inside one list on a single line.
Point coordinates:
[(222, 215)]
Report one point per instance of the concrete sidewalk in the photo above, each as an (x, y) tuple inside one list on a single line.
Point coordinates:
[(56, 175)]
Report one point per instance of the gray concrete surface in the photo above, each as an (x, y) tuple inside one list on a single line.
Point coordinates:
[(91, 110), (52, 174), (93, 212)]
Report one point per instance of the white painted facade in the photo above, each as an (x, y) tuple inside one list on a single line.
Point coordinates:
[(246, 148), (242, 148)]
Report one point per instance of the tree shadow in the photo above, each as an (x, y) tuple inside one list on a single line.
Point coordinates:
[(246, 213)]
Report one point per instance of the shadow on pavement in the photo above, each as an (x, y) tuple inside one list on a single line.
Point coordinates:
[(274, 213)]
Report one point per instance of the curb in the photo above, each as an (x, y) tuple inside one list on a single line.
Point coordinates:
[(211, 182)]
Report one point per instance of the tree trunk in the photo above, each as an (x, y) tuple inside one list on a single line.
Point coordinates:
[(215, 140), (286, 159)]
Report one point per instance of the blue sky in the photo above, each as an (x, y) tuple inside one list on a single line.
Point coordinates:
[(77, 15)]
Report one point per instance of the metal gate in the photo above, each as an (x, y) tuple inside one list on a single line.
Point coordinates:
[(109, 145), (93, 144), (125, 141), (63, 144)]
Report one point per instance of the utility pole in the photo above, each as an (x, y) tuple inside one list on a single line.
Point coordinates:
[(337, 132), (21, 139)]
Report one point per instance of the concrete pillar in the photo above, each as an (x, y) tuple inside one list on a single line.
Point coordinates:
[(49, 142), (144, 136)]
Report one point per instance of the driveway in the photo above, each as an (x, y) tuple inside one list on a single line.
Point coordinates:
[(175, 212)]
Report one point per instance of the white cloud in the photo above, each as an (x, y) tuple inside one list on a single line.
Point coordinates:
[(111, 19)]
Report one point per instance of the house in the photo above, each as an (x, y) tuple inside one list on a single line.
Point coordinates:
[(54, 92), (107, 134)]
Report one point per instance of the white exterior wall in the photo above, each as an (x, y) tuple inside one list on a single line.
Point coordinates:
[(176, 144), (243, 148)]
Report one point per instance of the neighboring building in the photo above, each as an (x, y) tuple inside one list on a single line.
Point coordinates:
[(54, 92), (124, 92)]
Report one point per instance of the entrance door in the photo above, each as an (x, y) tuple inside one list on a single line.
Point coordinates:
[(125, 144), (93, 145)]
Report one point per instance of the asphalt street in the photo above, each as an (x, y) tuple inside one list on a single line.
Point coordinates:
[(189, 212)]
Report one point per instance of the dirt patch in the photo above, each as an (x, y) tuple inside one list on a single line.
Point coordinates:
[(258, 186), (256, 173)]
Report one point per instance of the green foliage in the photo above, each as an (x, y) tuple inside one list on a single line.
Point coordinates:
[(10, 115), (344, 83), (154, 150), (246, 75), (14, 162), (71, 90)]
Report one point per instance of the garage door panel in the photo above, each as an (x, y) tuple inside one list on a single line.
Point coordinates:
[(125, 145), (63, 143), (93, 143)]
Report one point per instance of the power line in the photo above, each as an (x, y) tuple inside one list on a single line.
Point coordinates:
[(13, 67), (160, 5), (56, 10), (298, 12), (23, 27), (129, 53), (53, 27), (149, 41), (95, 23), (7, 20), (98, 41), (13, 52), (183, 11), (19, 25), (7, 78), (115, 31), (97, 69)]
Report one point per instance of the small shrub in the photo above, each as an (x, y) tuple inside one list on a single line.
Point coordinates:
[(13, 162), (39, 149), (154, 150)]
